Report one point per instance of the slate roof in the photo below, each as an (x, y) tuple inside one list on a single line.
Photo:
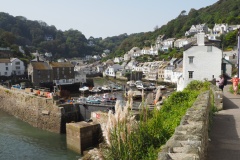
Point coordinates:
[(40, 65), (5, 60), (61, 64)]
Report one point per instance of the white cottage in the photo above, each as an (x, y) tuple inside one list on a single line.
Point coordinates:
[(18, 67), (5, 67), (111, 70), (200, 62)]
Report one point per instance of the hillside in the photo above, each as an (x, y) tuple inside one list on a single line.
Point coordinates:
[(223, 11)]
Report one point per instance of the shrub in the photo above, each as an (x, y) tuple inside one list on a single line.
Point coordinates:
[(127, 138)]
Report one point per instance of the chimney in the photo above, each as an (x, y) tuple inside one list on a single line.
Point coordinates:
[(200, 39), (37, 58)]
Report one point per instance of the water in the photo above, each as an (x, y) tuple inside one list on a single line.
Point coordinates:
[(20, 141)]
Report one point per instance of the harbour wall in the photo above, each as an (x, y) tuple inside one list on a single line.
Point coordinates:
[(38, 111)]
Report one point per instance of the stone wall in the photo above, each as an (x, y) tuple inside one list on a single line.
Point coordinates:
[(218, 97), (38, 111), (190, 139)]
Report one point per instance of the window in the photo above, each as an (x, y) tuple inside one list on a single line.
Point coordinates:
[(190, 74), (209, 48), (6, 64), (17, 67), (191, 59), (6, 68), (5, 73), (17, 63)]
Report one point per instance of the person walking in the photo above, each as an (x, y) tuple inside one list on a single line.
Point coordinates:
[(235, 81), (221, 82)]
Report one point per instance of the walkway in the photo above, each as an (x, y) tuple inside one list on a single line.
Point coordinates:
[(224, 135)]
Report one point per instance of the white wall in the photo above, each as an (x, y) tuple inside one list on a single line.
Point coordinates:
[(206, 65), (18, 67), (3, 69)]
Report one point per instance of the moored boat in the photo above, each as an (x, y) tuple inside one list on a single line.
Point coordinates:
[(84, 89), (95, 90)]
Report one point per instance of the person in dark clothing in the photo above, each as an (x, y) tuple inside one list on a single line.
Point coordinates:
[(221, 82)]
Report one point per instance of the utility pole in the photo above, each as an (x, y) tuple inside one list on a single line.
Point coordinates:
[(238, 51)]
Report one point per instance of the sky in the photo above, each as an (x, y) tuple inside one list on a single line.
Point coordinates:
[(102, 18)]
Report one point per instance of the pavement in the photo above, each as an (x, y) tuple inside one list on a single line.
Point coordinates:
[(224, 136)]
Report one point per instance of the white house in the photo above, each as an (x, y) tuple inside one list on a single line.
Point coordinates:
[(168, 72), (5, 67), (176, 74), (161, 69), (169, 42), (18, 67), (97, 57), (131, 65), (126, 57), (80, 77), (118, 59), (219, 29), (145, 50), (135, 52), (158, 42), (152, 73), (138, 67), (197, 29), (153, 51), (111, 70), (179, 43), (200, 62)]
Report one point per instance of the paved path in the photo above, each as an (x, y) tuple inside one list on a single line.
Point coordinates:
[(225, 131)]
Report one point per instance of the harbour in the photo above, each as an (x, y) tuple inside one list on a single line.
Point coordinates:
[(19, 140)]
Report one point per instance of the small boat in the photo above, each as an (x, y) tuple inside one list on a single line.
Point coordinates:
[(151, 86), (82, 100), (93, 100), (107, 98), (116, 87), (138, 82), (106, 88), (141, 86), (131, 83), (84, 89), (95, 90)]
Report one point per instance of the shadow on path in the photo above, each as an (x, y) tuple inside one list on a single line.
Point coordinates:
[(224, 133)]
